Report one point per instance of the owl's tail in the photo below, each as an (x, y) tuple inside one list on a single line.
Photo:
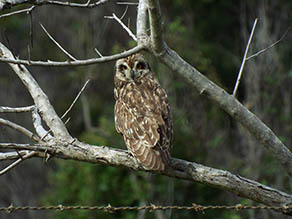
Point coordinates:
[(150, 157)]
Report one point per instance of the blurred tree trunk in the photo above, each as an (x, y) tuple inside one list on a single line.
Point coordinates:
[(263, 93)]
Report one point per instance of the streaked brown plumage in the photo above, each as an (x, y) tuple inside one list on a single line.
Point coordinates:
[(142, 112)]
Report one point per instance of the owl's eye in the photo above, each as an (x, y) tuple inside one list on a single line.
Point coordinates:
[(123, 67), (141, 65)]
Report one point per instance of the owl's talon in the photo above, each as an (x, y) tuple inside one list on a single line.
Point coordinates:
[(129, 154)]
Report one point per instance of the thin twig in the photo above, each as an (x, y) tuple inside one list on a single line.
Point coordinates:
[(19, 129), (5, 109), (76, 98), (123, 25), (127, 3), (47, 135), (37, 119), (27, 10), (14, 164), (57, 44), (244, 58), (96, 50), (124, 13), (269, 47)]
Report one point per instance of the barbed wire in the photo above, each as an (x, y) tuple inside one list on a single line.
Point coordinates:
[(111, 209)]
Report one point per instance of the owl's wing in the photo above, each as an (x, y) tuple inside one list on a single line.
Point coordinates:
[(143, 118)]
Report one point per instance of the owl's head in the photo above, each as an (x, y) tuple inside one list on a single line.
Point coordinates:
[(132, 68)]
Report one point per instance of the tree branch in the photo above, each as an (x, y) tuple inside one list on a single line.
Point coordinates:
[(270, 46), (76, 98), (227, 102), (155, 26), (57, 44), (15, 163), (244, 58), (12, 155), (232, 106), (5, 4), (71, 63), (5, 109), (19, 129), (141, 22), (40, 98), (123, 26), (179, 169), (27, 10)]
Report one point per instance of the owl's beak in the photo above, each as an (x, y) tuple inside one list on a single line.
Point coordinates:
[(132, 74)]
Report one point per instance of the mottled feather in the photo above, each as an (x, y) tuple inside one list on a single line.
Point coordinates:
[(142, 116)]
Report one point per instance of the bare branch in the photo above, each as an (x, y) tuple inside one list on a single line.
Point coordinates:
[(125, 12), (141, 24), (27, 10), (271, 46), (19, 129), (12, 155), (72, 63), (96, 50), (155, 26), (244, 58), (127, 3), (40, 98), (14, 164), (179, 169), (227, 102), (123, 25), (70, 4), (4, 4), (57, 44), (76, 98), (5, 109), (232, 106)]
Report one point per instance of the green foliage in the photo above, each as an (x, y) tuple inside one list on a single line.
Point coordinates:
[(78, 183), (176, 26), (290, 73), (231, 215)]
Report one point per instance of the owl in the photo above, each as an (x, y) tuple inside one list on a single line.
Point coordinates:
[(142, 114)]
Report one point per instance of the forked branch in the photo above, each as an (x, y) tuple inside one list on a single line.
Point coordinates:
[(227, 102), (39, 97)]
